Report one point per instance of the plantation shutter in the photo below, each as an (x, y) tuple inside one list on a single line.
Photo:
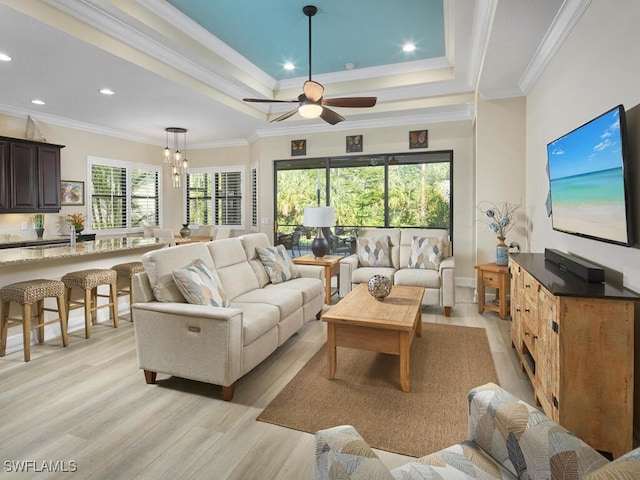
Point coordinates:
[(228, 198), (108, 197), (254, 197), (144, 198)]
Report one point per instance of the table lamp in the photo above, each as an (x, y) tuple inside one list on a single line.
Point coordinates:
[(319, 217)]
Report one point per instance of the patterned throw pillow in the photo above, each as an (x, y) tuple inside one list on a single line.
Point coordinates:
[(373, 251), (199, 287), (277, 263), (426, 252)]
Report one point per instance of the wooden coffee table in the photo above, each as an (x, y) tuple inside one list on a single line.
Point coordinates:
[(360, 321)]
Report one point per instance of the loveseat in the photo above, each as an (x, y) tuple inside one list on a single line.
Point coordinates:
[(417, 257), (245, 315), (508, 439)]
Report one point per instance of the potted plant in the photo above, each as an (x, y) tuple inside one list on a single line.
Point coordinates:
[(38, 224), (77, 220)]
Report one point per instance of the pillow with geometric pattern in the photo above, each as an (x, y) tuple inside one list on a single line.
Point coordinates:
[(426, 252), (373, 251), (198, 285), (277, 263)]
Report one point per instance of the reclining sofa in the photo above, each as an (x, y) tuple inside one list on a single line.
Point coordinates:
[(218, 344), (436, 276), (508, 440)]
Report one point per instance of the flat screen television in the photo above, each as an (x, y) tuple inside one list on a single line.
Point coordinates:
[(589, 180)]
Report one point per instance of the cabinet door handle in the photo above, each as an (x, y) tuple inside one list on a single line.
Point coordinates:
[(535, 337), (526, 334), (527, 310), (527, 285)]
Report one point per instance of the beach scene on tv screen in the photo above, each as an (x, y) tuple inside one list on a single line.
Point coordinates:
[(587, 182)]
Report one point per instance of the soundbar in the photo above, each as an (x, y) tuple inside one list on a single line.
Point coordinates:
[(568, 263)]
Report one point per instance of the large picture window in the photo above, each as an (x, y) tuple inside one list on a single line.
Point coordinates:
[(124, 195), (392, 190), (215, 196)]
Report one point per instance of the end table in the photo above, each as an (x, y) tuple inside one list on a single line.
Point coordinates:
[(331, 264), (496, 276)]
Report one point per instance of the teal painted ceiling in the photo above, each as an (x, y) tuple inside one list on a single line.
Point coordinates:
[(367, 33)]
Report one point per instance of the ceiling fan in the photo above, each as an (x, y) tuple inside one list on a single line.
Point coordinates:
[(311, 102)]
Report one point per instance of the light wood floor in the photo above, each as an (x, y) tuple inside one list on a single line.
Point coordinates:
[(88, 403)]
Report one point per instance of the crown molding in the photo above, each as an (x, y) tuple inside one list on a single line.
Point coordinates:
[(502, 93), (89, 13), (446, 114), (566, 18), (483, 15)]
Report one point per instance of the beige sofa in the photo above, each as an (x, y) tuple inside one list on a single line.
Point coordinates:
[(439, 284), (508, 440), (218, 344)]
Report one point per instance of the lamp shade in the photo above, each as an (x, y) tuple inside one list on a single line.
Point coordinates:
[(319, 217)]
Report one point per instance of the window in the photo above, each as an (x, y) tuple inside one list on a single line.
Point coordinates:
[(215, 196), (124, 195), (254, 198), (393, 190)]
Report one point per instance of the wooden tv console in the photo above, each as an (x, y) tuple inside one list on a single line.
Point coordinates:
[(575, 342)]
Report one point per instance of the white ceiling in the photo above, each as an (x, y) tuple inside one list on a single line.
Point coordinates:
[(167, 71)]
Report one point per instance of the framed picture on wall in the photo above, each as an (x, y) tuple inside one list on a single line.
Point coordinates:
[(354, 143), (71, 192), (418, 139), (298, 147)]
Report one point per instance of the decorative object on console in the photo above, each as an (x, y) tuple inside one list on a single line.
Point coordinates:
[(185, 232), (176, 159), (38, 224), (319, 217), (379, 287), (501, 221)]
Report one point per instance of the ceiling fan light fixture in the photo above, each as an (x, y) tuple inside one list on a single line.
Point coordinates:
[(310, 110)]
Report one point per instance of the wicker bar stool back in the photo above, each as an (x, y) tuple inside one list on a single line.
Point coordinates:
[(125, 272), (89, 281), (27, 294)]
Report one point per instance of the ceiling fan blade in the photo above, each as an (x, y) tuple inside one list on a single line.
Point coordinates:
[(330, 116), (284, 116), (266, 100), (352, 102), (313, 90)]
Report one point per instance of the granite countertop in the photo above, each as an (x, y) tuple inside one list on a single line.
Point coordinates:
[(14, 256)]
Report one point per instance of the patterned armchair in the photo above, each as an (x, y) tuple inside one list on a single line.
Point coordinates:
[(508, 439)]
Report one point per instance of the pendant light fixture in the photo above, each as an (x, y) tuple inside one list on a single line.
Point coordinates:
[(174, 157)]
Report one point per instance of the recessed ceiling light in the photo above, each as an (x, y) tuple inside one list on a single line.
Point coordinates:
[(107, 91), (35, 101), (289, 66), (408, 47), (4, 57)]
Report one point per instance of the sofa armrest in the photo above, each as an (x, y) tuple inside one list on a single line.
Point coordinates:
[(197, 342), (447, 282), (341, 453), (347, 266), (523, 440), (311, 271)]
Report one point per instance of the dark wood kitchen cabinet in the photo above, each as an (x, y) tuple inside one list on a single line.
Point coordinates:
[(29, 176)]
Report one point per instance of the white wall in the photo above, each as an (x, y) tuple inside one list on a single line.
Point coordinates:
[(593, 71), (500, 152)]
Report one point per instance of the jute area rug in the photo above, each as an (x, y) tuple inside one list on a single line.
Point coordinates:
[(446, 362)]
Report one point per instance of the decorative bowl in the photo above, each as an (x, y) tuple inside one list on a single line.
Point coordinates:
[(379, 287)]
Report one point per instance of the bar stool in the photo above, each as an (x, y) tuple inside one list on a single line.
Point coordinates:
[(125, 272), (26, 294), (89, 280)]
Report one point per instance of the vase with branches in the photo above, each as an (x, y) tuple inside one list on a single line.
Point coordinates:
[(500, 218)]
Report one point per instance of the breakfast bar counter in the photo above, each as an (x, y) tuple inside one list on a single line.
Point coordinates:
[(54, 261), (39, 253)]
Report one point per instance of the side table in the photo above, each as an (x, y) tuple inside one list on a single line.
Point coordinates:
[(331, 264), (496, 276)]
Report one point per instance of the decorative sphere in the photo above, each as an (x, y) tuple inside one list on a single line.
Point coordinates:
[(379, 287)]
